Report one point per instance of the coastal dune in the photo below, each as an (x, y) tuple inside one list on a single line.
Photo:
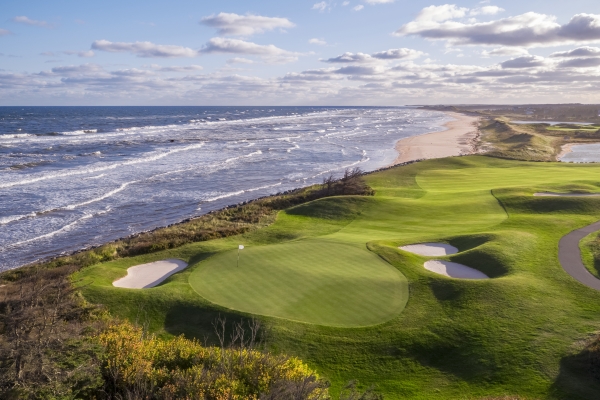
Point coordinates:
[(459, 138)]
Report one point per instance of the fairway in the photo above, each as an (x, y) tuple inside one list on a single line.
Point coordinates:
[(330, 282), (308, 281)]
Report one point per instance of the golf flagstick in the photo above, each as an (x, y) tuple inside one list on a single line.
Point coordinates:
[(240, 247)]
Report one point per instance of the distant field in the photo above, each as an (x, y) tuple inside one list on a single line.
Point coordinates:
[(575, 128), (336, 261)]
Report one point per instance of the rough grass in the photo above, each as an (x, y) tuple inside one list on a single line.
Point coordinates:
[(455, 339), (590, 253)]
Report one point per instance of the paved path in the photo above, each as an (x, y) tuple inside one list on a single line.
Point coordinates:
[(569, 255)]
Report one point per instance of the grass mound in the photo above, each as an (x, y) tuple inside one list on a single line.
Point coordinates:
[(311, 281)]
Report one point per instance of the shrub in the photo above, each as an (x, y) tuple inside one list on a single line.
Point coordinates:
[(136, 365)]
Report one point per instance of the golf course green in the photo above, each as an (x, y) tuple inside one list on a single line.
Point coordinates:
[(308, 280), (332, 287)]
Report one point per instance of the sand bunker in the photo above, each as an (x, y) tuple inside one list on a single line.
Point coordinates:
[(149, 275), (567, 194), (430, 249), (454, 270)]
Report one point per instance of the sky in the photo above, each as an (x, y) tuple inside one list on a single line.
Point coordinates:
[(353, 52)]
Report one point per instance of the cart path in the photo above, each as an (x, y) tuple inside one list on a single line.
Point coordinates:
[(569, 255)]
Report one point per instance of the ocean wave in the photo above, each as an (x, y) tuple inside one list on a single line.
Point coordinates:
[(70, 207), (363, 160), (293, 148), (13, 218), (156, 129), (238, 192), (99, 198), (96, 176), (79, 132), (16, 136), (101, 168), (28, 165), (65, 228), (258, 152), (222, 196)]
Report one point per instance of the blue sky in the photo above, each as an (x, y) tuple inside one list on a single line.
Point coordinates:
[(356, 52)]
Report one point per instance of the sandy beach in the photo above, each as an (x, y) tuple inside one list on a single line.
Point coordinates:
[(459, 138), (564, 150)]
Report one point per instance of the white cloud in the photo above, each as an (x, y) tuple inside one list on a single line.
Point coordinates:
[(524, 62), (303, 77), (358, 7), (584, 51), (590, 62), (359, 70), (85, 54), (176, 68), (229, 24), (505, 51), (486, 10), (31, 22), (392, 54), (320, 42), (397, 54), (238, 46), (4, 32), (74, 70), (144, 49), (269, 53), (321, 6), (351, 58), (239, 60), (132, 72), (529, 29), (433, 14), (345, 3), (521, 79)]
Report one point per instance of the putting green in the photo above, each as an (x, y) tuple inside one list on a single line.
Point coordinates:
[(317, 282)]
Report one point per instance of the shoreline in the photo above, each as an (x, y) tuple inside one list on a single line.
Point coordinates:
[(459, 138), (564, 150), (51, 258)]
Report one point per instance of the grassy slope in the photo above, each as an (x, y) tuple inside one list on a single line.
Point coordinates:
[(590, 253), (455, 339)]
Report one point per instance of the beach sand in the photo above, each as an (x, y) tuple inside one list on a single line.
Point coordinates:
[(459, 138), (564, 150)]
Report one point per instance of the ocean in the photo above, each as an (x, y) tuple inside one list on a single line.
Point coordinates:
[(74, 177), (583, 153)]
